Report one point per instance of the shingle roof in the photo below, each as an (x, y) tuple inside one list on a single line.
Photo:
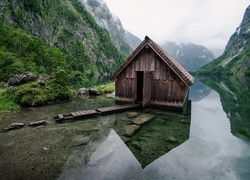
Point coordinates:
[(186, 77)]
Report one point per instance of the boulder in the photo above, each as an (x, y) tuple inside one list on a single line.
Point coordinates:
[(130, 130), (15, 125), (10, 88), (42, 78), (144, 118), (21, 78), (81, 91), (41, 82), (111, 95), (79, 141), (133, 114), (136, 145), (38, 123), (94, 91), (171, 139)]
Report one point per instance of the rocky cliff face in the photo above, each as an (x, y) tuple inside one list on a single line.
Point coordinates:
[(240, 40), (230, 76), (65, 24), (105, 19), (190, 56), (235, 60)]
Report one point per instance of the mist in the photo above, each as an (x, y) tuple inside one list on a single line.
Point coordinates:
[(208, 23)]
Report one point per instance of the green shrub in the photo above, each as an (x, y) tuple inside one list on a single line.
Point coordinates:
[(7, 102), (108, 88)]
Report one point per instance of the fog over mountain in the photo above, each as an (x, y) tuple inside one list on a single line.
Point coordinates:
[(190, 56)]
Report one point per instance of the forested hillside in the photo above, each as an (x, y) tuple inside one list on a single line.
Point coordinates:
[(229, 75), (67, 25), (235, 61), (56, 38)]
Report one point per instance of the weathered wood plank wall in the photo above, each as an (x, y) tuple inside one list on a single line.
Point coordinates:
[(161, 85)]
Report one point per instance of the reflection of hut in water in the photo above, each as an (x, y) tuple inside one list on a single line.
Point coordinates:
[(152, 77), (154, 138)]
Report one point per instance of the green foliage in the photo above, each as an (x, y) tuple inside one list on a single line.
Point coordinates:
[(33, 94), (70, 16), (65, 35), (108, 88), (21, 52), (33, 5), (7, 102)]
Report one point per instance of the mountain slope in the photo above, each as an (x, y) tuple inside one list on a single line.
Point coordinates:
[(105, 19), (235, 60), (229, 75), (190, 56), (67, 25), (133, 40)]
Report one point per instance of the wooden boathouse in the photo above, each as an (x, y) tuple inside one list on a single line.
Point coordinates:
[(150, 76)]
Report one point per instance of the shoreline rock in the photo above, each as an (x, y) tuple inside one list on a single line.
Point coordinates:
[(22, 78), (94, 91), (81, 91), (38, 123), (15, 125)]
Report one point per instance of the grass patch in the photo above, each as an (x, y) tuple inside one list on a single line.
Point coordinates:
[(7, 102), (108, 88)]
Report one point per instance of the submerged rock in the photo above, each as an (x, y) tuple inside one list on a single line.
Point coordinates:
[(171, 139), (133, 114), (143, 119), (79, 141), (131, 129), (136, 145), (15, 125), (38, 123)]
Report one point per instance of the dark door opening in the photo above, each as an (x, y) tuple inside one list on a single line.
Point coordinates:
[(140, 86)]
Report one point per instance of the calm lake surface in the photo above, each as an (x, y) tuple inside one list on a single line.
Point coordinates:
[(197, 145)]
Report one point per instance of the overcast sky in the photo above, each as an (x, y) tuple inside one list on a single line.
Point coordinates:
[(206, 22)]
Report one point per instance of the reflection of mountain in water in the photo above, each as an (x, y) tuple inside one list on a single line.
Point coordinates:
[(198, 91), (235, 99), (161, 132)]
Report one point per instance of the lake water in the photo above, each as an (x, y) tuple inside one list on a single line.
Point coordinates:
[(197, 145)]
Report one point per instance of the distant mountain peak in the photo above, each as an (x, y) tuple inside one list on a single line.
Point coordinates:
[(191, 56)]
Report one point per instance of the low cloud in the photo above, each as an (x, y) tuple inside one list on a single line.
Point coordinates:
[(210, 23)]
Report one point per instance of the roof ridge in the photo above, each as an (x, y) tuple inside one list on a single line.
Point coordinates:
[(174, 65)]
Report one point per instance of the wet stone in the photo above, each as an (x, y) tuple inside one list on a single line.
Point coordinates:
[(136, 145), (143, 119), (38, 123), (131, 129), (133, 114), (94, 91), (81, 91), (15, 125), (79, 141), (171, 139), (125, 139)]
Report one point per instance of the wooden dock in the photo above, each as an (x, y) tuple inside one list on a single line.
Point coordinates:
[(100, 111)]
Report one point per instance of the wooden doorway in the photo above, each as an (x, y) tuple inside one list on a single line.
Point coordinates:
[(140, 78)]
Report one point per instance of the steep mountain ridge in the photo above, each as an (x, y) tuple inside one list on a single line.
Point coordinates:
[(190, 56), (133, 40), (105, 19), (229, 75), (235, 60), (65, 24)]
